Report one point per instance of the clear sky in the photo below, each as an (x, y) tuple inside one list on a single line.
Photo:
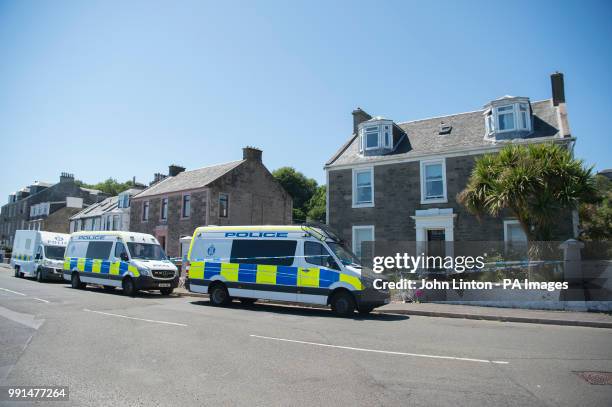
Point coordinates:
[(125, 88)]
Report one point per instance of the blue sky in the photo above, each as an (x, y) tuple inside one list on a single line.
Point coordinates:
[(121, 89)]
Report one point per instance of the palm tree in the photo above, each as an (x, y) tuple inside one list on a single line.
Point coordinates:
[(536, 183)]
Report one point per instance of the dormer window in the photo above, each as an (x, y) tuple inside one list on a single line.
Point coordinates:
[(509, 115), (376, 136)]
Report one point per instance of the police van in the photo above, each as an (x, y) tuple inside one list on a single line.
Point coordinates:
[(305, 264), (39, 254), (132, 261)]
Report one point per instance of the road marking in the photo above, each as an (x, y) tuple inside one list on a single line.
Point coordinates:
[(137, 319), (11, 291), (40, 299), (419, 355), (28, 320)]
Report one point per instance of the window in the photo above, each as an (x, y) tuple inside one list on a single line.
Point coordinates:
[(145, 210), (77, 249), (273, 252), (223, 205), (362, 234), (433, 181), (505, 118), (186, 206), (99, 250), (164, 209), (363, 187), (115, 222), (513, 232), (146, 251), (108, 223), (315, 253), (524, 116), (371, 137), (119, 248)]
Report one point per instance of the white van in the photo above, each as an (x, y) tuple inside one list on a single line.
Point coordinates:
[(39, 254), (132, 261), (303, 264)]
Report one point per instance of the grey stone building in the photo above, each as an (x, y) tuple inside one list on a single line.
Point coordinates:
[(398, 181), (240, 192), (111, 214), (45, 206)]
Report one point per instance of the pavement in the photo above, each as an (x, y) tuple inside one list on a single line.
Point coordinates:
[(153, 350)]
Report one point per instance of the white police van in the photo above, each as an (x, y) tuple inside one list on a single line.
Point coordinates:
[(132, 261), (305, 264), (39, 254)]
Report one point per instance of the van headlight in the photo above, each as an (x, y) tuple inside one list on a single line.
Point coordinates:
[(143, 271)]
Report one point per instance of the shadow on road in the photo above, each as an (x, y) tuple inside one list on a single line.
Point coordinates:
[(119, 292), (305, 311)]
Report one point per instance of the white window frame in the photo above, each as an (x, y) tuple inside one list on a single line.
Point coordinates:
[(145, 214), (497, 114), (365, 137), (508, 223), (161, 208), (424, 199), (361, 227), (354, 182), (516, 112)]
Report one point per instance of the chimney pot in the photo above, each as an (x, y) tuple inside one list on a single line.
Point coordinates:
[(251, 153), (174, 170), (558, 88)]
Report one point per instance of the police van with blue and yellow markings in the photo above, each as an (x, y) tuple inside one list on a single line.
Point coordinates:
[(305, 264), (132, 261)]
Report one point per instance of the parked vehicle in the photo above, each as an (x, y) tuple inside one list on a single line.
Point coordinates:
[(132, 261), (303, 264), (39, 254)]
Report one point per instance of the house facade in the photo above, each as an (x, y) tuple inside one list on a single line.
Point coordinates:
[(111, 214), (240, 192), (398, 181), (45, 206)]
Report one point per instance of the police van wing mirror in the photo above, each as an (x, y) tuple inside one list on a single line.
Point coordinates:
[(38, 256), (123, 256)]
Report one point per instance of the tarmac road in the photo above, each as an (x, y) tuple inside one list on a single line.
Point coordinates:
[(153, 350)]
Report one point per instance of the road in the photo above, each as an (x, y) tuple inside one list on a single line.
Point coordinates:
[(115, 350)]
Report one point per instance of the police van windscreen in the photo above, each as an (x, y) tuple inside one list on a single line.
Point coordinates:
[(55, 252), (345, 255), (273, 252), (146, 251)]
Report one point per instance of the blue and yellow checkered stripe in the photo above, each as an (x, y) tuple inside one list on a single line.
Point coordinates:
[(314, 277), (23, 257), (113, 268)]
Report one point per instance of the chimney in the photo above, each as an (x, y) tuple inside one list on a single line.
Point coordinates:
[(251, 153), (66, 177), (174, 170), (359, 116), (558, 88), (157, 177)]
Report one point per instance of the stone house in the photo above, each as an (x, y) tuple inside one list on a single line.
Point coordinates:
[(240, 192), (111, 214), (45, 206), (398, 181)]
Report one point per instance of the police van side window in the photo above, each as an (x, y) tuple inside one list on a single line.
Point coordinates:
[(99, 250), (316, 253), (77, 249), (273, 252), (119, 248)]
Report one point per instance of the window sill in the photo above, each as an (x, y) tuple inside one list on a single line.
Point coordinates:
[(433, 201), (363, 205)]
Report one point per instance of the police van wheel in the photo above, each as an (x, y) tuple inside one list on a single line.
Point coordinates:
[(17, 274), (129, 288), (39, 276), (218, 295), (166, 291), (75, 281), (343, 304)]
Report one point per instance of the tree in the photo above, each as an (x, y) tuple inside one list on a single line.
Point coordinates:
[(110, 186), (299, 187), (533, 182), (317, 205), (596, 218)]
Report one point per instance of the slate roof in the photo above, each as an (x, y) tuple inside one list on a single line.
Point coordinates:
[(188, 180), (468, 131), (97, 209)]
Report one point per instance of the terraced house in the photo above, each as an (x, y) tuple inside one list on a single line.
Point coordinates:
[(241, 192), (398, 181)]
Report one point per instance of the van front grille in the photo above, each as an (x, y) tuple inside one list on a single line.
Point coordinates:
[(163, 273)]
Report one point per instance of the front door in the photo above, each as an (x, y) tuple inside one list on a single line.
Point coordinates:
[(436, 247)]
